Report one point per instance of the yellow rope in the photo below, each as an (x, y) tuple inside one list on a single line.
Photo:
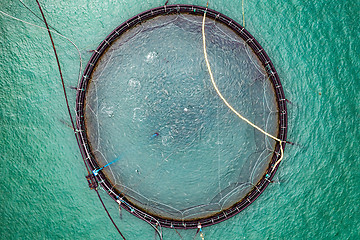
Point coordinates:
[(224, 100), (243, 12)]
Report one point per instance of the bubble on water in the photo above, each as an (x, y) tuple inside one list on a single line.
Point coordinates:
[(139, 114), (150, 57), (134, 85)]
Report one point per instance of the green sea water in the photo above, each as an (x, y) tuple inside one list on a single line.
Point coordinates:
[(315, 49)]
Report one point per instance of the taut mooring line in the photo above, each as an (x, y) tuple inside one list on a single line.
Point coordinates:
[(70, 115)]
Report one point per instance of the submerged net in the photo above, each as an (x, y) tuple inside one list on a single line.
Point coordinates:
[(176, 151)]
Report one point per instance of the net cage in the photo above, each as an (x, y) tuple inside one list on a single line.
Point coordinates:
[(155, 133)]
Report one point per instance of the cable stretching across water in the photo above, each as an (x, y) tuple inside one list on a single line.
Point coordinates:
[(226, 102), (53, 31), (67, 104), (243, 12)]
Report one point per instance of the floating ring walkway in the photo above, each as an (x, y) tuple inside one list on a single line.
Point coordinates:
[(272, 75)]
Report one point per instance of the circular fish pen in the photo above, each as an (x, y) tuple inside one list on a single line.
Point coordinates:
[(155, 134)]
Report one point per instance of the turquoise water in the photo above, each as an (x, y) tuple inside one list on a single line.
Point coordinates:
[(315, 49)]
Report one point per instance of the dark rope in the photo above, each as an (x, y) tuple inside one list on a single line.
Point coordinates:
[(58, 63), (178, 233), (108, 212), (69, 111), (63, 85), (197, 232), (37, 16)]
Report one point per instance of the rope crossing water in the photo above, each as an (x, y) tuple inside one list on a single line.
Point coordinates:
[(243, 12), (70, 115), (226, 102)]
